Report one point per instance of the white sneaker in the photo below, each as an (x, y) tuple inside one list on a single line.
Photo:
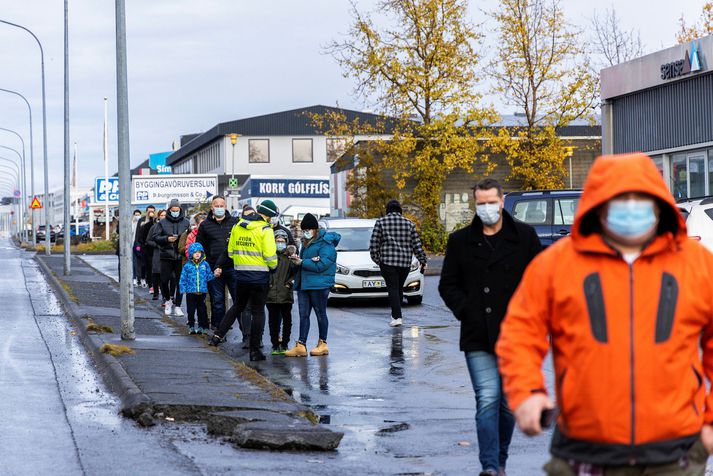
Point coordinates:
[(177, 311), (144, 284), (396, 322), (135, 282), (168, 309)]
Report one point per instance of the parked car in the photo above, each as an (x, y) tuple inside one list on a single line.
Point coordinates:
[(698, 213), (40, 233), (357, 275), (550, 212)]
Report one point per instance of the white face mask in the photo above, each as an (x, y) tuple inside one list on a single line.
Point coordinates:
[(489, 213), (308, 234)]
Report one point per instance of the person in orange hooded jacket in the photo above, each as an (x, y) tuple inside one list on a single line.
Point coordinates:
[(627, 304)]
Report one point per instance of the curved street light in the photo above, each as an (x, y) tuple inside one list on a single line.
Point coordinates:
[(44, 124), (23, 199), (10, 183), (32, 155), (22, 161)]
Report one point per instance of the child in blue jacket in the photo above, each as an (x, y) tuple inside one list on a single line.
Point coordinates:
[(194, 284)]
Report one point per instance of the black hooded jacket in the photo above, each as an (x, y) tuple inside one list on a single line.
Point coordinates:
[(213, 235), (170, 226)]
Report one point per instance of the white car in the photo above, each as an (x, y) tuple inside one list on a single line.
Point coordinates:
[(357, 275), (699, 219)]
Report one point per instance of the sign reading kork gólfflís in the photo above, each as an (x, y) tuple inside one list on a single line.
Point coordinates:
[(155, 189)]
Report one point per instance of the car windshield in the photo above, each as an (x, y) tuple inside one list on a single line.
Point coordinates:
[(354, 239)]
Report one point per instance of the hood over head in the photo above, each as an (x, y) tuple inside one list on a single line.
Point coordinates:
[(329, 236), (196, 247), (613, 175)]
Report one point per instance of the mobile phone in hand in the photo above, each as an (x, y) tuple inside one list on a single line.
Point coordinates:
[(547, 417)]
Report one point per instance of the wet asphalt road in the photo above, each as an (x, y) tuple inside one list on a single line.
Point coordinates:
[(402, 396)]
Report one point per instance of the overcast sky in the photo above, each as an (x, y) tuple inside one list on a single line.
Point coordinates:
[(193, 64)]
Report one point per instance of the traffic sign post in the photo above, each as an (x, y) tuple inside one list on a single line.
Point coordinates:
[(35, 205)]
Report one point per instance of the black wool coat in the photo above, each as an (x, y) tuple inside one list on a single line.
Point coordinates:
[(477, 282)]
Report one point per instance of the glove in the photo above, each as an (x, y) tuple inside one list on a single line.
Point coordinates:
[(138, 248)]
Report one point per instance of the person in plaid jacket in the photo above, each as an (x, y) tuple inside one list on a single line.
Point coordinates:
[(394, 242)]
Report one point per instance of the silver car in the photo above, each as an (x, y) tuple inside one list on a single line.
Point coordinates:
[(357, 275)]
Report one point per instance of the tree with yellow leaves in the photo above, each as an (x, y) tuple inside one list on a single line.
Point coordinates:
[(422, 71), (543, 70), (688, 33)]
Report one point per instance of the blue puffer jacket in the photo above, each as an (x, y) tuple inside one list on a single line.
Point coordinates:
[(195, 276), (313, 275)]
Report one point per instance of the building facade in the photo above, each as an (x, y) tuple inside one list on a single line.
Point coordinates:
[(662, 104)]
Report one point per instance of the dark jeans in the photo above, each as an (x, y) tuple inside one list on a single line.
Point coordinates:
[(317, 300), (280, 314), (148, 264), (155, 283), (216, 288), (395, 278), (138, 262), (494, 421), (196, 302), (256, 295), (170, 275)]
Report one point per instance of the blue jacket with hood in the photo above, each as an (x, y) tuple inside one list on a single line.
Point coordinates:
[(314, 275), (195, 276)]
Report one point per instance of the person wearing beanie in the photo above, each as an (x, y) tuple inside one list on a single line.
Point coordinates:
[(251, 247), (280, 297), (167, 234), (316, 266), (394, 242)]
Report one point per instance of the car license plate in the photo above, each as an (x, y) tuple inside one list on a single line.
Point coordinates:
[(374, 284)]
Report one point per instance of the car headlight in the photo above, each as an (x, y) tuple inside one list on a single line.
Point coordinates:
[(342, 269), (415, 264)]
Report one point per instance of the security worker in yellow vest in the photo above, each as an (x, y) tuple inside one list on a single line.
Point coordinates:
[(252, 249)]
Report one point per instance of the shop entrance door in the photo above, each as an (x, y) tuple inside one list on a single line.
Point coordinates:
[(697, 183)]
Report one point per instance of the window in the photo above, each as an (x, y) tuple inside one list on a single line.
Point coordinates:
[(564, 211), (532, 212), (679, 176), (335, 148), (301, 150), (259, 151)]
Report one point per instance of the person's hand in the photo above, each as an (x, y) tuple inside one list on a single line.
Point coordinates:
[(707, 437), (171, 239), (217, 272), (296, 260), (529, 412), (315, 259)]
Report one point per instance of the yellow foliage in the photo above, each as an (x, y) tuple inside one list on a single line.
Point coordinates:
[(543, 70), (115, 349), (688, 33)]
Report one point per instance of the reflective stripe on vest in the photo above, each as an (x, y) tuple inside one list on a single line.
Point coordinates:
[(251, 267), (245, 253)]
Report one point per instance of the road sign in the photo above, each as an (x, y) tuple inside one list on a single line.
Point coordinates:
[(17, 194), (150, 189), (232, 183), (35, 204), (104, 189)]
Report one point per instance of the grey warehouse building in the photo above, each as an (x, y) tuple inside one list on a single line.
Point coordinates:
[(662, 104)]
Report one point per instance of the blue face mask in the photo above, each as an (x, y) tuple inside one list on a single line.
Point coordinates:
[(175, 214), (219, 212), (631, 218), (281, 246)]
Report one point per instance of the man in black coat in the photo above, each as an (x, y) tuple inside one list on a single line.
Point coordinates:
[(481, 270), (167, 232)]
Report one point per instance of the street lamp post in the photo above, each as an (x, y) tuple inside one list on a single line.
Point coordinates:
[(22, 162), (569, 151), (67, 193), (4, 180), (32, 160), (44, 129), (233, 183)]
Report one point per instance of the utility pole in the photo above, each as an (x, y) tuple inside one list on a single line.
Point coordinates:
[(106, 172), (67, 203), (125, 238)]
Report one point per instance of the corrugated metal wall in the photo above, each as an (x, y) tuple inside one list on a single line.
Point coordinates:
[(674, 115)]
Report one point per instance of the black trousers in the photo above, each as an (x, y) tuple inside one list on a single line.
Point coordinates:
[(256, 295), (148, 263), (196, 302), (170, 275), (395, 277), (280, 314)]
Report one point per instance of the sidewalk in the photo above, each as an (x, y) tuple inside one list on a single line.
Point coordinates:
[(172, 375)]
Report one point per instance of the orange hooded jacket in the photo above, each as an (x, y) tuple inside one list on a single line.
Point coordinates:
[(626, 339)]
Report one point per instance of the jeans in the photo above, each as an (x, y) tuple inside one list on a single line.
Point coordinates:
[(317, 300), (494, 420), (395, 278), (170, 276), (138, 264), (256, 295), (216, 288), (148, 263), (196, 302), (280, 315)]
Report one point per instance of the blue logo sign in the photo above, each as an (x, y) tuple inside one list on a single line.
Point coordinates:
[(106, 191), (287, 188)]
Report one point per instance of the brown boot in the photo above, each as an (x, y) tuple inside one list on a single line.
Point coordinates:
[(299, 350), (321, 349)]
